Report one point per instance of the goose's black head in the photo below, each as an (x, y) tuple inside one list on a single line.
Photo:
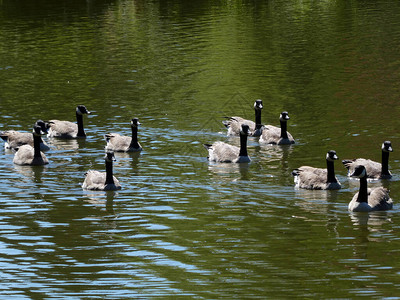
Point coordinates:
[(135, 122), (284, 116), (359, 172), (387, 146), (109, 157), (81, 109), (43, 125), (331, 155), (37, 130), (245, 130), (258, 104)]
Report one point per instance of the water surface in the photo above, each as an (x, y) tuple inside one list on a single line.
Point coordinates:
[(182, 226)]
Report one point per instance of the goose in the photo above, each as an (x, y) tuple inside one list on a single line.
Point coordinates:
[(102, 181), (223, 152), (316, 178), (15, 139), (69, 130), (28, 155), (374, 169), (234, 123), (275, 135), (120, 143), (366, 199)]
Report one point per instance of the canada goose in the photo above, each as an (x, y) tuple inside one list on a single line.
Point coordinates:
[(102, 181), (15, 139), (28, 155), (120, 143), (374, 169), (69, 130), (275, 135), (316, 178), (369, 199), (234, 123), (223, 152)]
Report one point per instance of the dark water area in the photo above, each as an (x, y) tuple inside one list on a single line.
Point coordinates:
[(180, 225)]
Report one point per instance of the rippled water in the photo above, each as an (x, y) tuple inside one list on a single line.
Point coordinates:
[(182, 226)]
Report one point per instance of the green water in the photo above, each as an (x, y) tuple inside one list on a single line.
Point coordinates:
[(182, 226)]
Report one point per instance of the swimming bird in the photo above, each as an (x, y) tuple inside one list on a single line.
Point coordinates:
[(316, 178), (69, 130), (15, 139), (223, 152), (28, 155), (120, 143), (234, 123), (275, 135), (374, 169), (102, 181), (366, 199)]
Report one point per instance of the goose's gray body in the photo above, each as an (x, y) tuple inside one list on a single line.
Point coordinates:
[(366, 200), (28, 155), (312, 178), (67, 129), (120, 143), (15, 139), (234, 124), (95, 180), (375, 170), (277, 136), (223, 152), (102, 181)]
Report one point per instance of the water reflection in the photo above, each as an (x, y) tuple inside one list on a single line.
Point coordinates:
[(33, 172), (102, 199), (372, 220), (230, 170), (182, 226), (317, 201), (66, 144)]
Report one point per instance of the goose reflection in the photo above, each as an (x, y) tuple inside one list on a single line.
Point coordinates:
[(67, 144), (372, 220), (320, 201), (34, 172), (227, 169), (104, 199)]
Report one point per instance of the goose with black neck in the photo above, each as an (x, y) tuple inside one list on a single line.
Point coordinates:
[(366, 200)]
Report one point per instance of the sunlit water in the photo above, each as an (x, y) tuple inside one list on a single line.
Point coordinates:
[(181, 226)]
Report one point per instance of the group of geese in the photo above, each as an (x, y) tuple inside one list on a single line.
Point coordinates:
[(29, 151), (307, 177), (29, 147)]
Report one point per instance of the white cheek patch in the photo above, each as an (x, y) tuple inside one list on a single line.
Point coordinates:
[(364, 172)]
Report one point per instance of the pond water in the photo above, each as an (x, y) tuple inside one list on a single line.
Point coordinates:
[(181, 226)]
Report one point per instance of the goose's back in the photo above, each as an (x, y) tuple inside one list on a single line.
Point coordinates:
[(272, 135), (223, 152), (95, 180), (25, 156), (15, 139), (65, 129), (379, 199), (117, 142), (373, 168), (234, 124), (314, 179)]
